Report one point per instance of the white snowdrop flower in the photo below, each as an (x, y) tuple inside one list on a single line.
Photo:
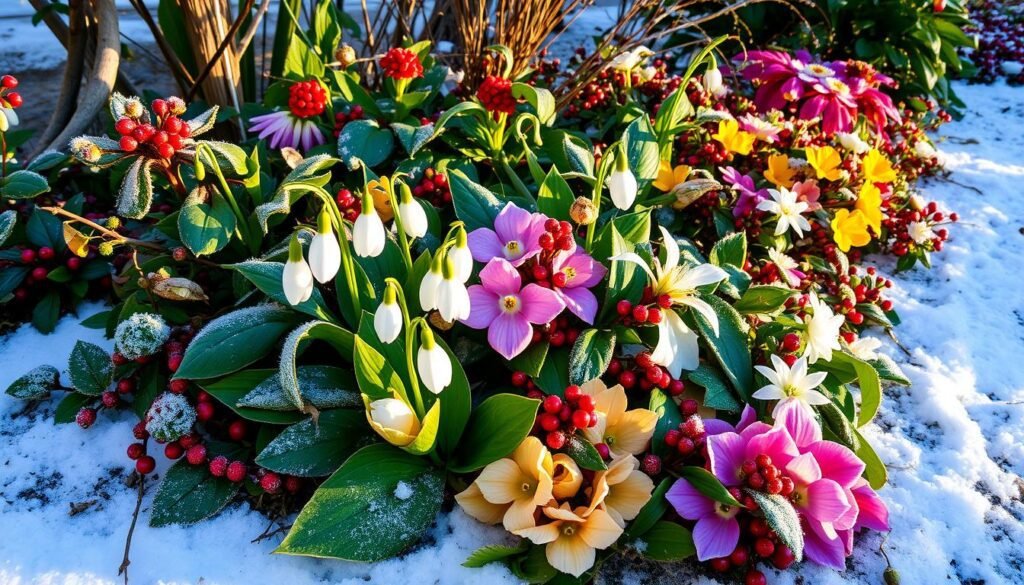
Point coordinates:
[(712, 82), (924, 149), (920, 232), (414, 219), (170, 417), (368, 236), (622, 183), (853, 142), (393, 420), (432, 363), (461, 256), (822, 331), (387, 321), (787, 209), (297, 278), (864, 347), (324, 251), (8, 119), (787, 384), (452, 295), (431, 280), (140, 335)]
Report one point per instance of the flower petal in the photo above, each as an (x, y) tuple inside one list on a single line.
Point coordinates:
[(500, 277), (483, 307), (715, 537), (509, 335), (472, 501), (540, 305), (484, 245), (501, 481), (826, 500), (688, 501)]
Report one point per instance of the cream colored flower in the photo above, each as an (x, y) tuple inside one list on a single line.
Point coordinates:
[(566, 477), (574, 536), (519, 483), (625, 432), (393, 420), (627, 488)]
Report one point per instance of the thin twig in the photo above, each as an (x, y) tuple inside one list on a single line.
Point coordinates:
[(123, 569)]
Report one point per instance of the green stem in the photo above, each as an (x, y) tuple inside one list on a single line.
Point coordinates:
[(242, 222), (498, 134), (403, 240), (414, 383), (512, 176), (595, 198), (347, 263)]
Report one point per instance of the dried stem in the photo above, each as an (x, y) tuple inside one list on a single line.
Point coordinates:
[(123, 569)]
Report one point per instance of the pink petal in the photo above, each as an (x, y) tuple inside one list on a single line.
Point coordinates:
[(754, 428), (509, 335), (581, 302), (484, 245), (513, 223), (483, 307), (715, 537), (837, 462), (873, 513), (776, 443), (714, 426), (747, 418), (688, 501), (500, 277), (804, 469), (826, 501), (726, 455), (796, 417), (821, 549), (540, 305)]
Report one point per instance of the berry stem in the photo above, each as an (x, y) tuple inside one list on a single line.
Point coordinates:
[(123, 569)]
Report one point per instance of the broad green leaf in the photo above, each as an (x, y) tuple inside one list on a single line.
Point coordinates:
[(90, 368), (717, 394), (668, 542), (590, 355), (642, 150), (730, 345), (136, 194), (731, 249), (496, 427), (7, 221), (763, 299), (669, 418), (475, 205), (230, 389), (584, 453), (337, 337), (188, 494), (652, 511), (322, 386), (267, 276), (542, 100), (69, 406), (874, 471), (315, 449), (364, 142), (709, 485), (235, 340), (36, 384), (23, 185), (555, 197), (205, 222)]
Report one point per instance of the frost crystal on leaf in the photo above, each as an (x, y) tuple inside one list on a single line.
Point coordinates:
[(140, 335), (170, 417), (403, 491)]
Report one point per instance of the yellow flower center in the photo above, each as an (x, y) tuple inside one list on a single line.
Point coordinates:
[(838, 86), (569, 272), (820, 70), (568, 529), (725, 510), (510, 304), (526, 487), (512, 250)]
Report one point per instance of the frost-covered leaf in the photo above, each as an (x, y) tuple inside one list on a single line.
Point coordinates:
[(413, 138), (316, 449), (118, 104), (47, 160), (188, 494), (323, 386), (177, 289), (205, 222), (364, 142), (311, 171), (136, 194), (7, 221), (90, 368), (584, 454), (98, 152), (235, 340), (69, 406), (341, 339), (782, 518), (36, 384), (229, 154), (887, 369), (203, 122), (705, 115), (590, 355), (22, 185)]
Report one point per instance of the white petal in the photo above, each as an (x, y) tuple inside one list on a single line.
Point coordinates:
[(414, 219), (463, 260), (677, 347), (703, 275), (815, 397), (705, 310), (428, 290), (435, 369), (297, 282), (324, 257), (368, 236), (770, 392), (635, 259), (671, 247), (770, 374), (387, 322), (622, 186)]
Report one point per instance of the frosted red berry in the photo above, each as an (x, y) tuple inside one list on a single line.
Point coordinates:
[(218, 466), (270, 482), (236, 471), (237, 430), (136, 450), (173, 450), (86, 417), (401, 63)]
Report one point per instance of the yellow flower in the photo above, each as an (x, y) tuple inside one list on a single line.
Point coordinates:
[(869, 202), (876, 168), (380, 190), (566, 477), (624, 432), (669, 178), (779, 172), (850, 229), (733, 139), (574, 536), (393, 420), (628, 488), (519, 484), (825, 160)]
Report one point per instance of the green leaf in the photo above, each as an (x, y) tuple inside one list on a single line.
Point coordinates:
[(590, 355), (717, 394), (364, 142), (312, 171), (36, 384), (46, 313), (376, 376), (231, 342), (669, 418), (90, 368), (584, 453), (230, 389), (763, 299), (874, 470), (267, 276), (323, 386), (44, 229), (188, 494), (205, 227), (7, 221), (23, 185), (378, 504), (136, 193), (475, 205), (413, 138), (730, 345), (555, 197), (642, 149), (456, 403), (709, 485), (668, 542), (229, 157), (309, 449), (731, 249), (339, 338), (782, 519), (869, 382), (580, 158), (69, 406), (652, 511), (554, 374), (889, 370), (542, 100), (493, 553), (496, 427), (531, 360), (11, 278)]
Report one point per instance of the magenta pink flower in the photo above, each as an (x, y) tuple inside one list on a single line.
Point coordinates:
[(581, 272), (808, 192), (515, 236), (503, 306), (717, 531)]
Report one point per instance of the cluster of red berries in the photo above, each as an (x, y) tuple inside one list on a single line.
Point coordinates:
[(434, 188), (341, 118), (8, 97), (899, 224), (559, 417), (307, 99), (400, 63), (495, 93), (646, 311), (760, 474), (690, 436), (349, 205), (560, 332), (641, 372), (42, 261), (1000, 50), (160, 140)]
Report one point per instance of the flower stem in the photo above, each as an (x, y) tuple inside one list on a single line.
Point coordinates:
[(410, 338), (403, 240)]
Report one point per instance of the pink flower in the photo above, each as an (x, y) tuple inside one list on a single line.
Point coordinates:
[(285, 129), (506, 309), (515, 236), (717, 532), (749, 195), (808, 192), (581, 272)]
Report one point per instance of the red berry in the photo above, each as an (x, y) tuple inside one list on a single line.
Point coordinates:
[(39, 273), (196, 454), (755, 577), (139, 430), (783, 557), (627, 379), (160, 107), (173, 450), (136, 450), (552, 404), (559, 279), (764, 547), (28, 256), (178, 386), (173, 125), (74, 263), (145, 465), (672, 437), (129, 144), (401, 63), (640, 313), (9, 81), (270, 482), (236, 471), (685, 446), (651, 464), (174, 362), (758, 527), (165, 150), (791, 342), (740, 556), (763, 460), (624, 307), (555, 440), (573, 393), (519, 379), (552, 225), (664, 301), (654, 315), (720, 565), (204, 411), (14, 99), (118, 359), (218, 466), (237, 430), (585, 402), (292, 484), (547, 241), (109, 399), (581, 419), (549, 421), (126, 386), (787, 486), (187, 441), (86, 417)]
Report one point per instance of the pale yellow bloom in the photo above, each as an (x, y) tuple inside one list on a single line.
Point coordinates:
[(825, 160), (574, 536), (628, 489), (733, 139), (473, 503), (380, 190), (393, 420), (566, 477), (520, 483), (625, 432)]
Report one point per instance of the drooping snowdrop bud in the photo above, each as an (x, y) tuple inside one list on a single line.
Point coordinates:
[(414, 219), (297, 279), (393, 420), (452, 296), (712, 82), (368, 232), (324, 251), (432, 363), (461, 256), (431, 280), (387, 321), (621, 182)]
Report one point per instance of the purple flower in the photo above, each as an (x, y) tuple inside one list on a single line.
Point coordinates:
[(503, 306), (515, 236), (717, 532), (581, 272), (284, 129), (749, 195)]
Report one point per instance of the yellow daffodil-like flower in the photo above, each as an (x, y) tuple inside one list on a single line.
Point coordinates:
[(778, 171), (628, 488), (869, 202), (625, 432), (734, 140), (876, 168), (393, 420), (380, 190), (668, 178), (850, 229), (825, 160), (518, 484), (566, 477), (573, 536)]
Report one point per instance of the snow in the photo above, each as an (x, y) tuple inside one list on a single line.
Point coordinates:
[(403, 491), (954, 441)]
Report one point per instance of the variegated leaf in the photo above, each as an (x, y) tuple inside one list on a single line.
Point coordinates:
[(136, 190), (312, 171), (693, 190)]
